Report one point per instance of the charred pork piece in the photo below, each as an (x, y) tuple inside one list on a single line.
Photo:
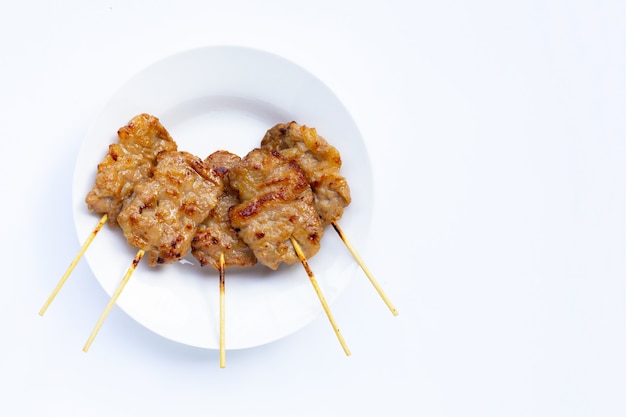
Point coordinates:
[(320, 162), (276, 204), (127, 163), (165, 210), (215, 235)]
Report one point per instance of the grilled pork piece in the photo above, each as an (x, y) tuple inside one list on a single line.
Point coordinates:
[(319, 161), (276, 204), (127, 163), (215, 235), (165, 210)]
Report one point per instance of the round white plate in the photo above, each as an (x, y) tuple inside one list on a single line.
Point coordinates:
[(225, 98)]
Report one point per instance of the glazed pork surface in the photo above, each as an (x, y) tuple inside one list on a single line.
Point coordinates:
[(215, 235), (276, 204), (127, 163), (165, 210), (320, 162)]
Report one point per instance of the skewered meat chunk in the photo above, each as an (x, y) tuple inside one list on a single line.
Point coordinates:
[(127, 163), (319, 161), (277, 203), (165, 210), (215, 235)]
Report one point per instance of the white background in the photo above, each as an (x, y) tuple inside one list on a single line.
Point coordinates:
[(497, 137)]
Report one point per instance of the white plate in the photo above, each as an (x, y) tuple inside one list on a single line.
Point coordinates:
[(225, 98)]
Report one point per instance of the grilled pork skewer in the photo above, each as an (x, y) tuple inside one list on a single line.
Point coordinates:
[(216, 242), (277, 218), (321, 163), (126, 164), (161, 217)]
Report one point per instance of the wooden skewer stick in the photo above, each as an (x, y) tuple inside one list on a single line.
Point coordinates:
[(69, 270), (222, 313), (113, 299), (365, 269), (318, 291)]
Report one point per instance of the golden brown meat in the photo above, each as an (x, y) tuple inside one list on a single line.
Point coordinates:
[(276, 204), (320, 162), (165, 210), (215, 235), (127, 163)]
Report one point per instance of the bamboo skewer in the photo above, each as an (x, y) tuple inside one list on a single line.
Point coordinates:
[(114, 298), (318, 291), (73, 264), (222, 313), (365, 269)]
